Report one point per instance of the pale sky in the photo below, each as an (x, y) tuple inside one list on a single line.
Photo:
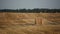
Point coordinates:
[(29, 4)]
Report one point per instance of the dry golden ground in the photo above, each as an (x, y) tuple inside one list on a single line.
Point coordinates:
[(29, 23), (30, 29)]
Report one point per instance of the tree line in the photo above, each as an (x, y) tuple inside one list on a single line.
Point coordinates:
[(36, 10)]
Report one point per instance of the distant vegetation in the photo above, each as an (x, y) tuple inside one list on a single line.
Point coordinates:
[(36, 10)]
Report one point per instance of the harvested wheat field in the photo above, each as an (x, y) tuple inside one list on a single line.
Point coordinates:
[(29, 23)]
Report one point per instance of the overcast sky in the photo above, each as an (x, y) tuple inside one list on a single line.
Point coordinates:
[(29, 4)]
